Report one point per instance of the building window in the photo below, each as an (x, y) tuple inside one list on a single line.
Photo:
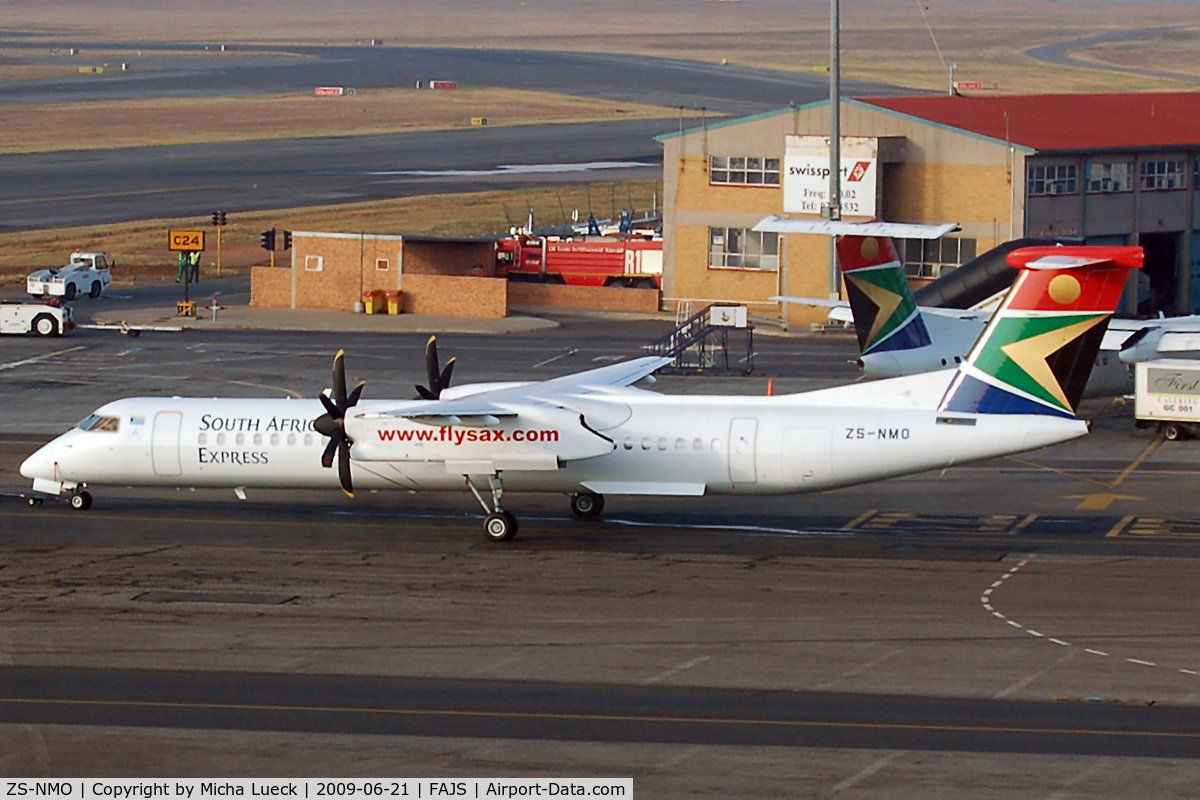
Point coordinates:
[(1111, 177), (743, 171), (740, 248), (929, 258), (1157, 176), (1053, 179), (382, 264), (314, 263)]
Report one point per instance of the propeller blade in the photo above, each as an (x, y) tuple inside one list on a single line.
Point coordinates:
[(352, 400), (330, 408), (424, 394), (432, 370), (330, 449), (344, 468), (339, 380), (444, 378)]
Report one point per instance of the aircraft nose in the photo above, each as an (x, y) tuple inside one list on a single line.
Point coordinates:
[(39, 465)]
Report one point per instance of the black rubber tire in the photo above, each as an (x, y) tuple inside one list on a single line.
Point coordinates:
[(96, 289), (81, 501), (587, 505), (1173, 432), (500, 526), (69, 292), (45, 325)]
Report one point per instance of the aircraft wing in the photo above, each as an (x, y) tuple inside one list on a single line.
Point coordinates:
[(487, 408), (624, 373)]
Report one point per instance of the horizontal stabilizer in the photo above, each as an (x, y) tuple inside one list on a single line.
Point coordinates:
[(905, 230)]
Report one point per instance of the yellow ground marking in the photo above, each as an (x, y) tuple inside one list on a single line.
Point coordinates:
[(1150, 448), (860, 519), (1098, 501), (1062, 472), (645, 718), (1120, 526)]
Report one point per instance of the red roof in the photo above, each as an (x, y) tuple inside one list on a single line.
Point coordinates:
[(1065, 121)]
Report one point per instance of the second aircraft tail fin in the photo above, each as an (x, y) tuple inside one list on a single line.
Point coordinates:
[(886, 316)]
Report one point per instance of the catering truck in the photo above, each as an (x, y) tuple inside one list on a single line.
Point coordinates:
[(1167, 394), (86, 273)]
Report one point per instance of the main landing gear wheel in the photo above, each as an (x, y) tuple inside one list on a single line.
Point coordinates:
[(587, 505), (500, 526), (81, 501)]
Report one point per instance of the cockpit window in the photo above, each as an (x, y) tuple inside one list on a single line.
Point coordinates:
[(98, 423)]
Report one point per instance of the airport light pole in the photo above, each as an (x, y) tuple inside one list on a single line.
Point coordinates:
[(833, 209)]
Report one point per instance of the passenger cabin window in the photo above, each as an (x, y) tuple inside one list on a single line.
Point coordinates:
[(98, 423)]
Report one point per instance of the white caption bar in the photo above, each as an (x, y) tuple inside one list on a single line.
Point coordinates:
[(420, 788)]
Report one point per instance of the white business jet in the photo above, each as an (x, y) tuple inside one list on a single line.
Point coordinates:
[(593, 433)]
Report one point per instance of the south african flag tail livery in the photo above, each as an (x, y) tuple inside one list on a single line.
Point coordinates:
[(1036, 355), (886, 316)]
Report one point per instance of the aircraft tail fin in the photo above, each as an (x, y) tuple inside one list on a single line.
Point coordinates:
[(1037, 351), (886, 317)]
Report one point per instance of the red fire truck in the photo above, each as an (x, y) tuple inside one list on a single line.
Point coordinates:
[(635, 263)]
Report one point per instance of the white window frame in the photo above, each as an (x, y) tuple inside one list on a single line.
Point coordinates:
[(1162, 176), (1109, 177), (387, 264), (750, 255), (743, 171), (314, 263), (929, 258), (1048, 180)]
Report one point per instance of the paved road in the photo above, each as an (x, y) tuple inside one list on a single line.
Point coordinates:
[(83, 188), (1059, 53)]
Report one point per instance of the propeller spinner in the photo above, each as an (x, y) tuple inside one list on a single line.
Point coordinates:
[(332, 422), (439, 379)]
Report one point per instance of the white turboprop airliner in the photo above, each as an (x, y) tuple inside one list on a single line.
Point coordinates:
[(593, 433), (897, 337)]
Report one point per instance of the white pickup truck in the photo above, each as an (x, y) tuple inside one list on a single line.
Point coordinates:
[(40, 318), (87, 273)]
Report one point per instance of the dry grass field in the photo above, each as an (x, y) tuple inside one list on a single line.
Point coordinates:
[(159, 121), (882, 39), (140, 248)]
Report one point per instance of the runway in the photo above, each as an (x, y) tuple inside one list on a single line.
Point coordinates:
[(95, 187), (595, 713)]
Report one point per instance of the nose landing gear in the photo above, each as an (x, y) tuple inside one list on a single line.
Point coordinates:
[(80, 500), (499, 525)]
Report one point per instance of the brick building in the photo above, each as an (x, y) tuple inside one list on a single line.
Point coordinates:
[(1107, 169)]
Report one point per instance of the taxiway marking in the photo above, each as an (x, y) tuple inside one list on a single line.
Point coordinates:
[(987, 600), (36, 359)]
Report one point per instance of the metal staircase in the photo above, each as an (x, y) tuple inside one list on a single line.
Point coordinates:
[(700, 341)]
